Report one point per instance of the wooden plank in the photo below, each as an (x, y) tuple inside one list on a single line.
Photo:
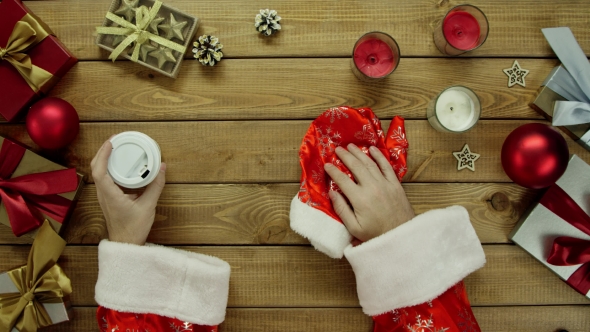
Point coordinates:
[(293, 89), (299, 276), (330, 28), (490, 319), (267, 151), (259, 214)]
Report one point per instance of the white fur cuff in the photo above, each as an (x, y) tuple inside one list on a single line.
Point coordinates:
[(325, 233), (164, 281), (415, 262)]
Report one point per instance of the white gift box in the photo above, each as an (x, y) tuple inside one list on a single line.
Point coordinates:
[(538, 228)]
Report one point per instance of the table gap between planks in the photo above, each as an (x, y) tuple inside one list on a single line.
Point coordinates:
[(230, 135)]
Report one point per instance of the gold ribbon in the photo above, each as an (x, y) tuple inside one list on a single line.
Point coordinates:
[(137, 32), (26, 33), (40, 281)]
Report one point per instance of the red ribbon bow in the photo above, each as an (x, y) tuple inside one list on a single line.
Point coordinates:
[(27, 197), (567, 250)]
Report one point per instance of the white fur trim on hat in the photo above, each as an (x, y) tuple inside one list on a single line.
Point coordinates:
[(415, 262), (324, 232), (164, 281)]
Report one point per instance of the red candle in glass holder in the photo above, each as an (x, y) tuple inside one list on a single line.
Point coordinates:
[(374, 58), (461, 30), (375, 55)]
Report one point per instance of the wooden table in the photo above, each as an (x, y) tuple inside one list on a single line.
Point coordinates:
[(230, 135)]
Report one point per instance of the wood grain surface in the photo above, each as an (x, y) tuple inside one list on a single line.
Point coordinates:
[(294, 89), (491, 319), (256, 214), (330, 28), (267, 151), (299, 276), (230, 136)]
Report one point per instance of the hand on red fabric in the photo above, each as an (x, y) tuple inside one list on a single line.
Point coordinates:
[(379, 203), (129, 218)]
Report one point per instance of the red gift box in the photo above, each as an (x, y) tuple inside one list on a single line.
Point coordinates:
[(49, 55)]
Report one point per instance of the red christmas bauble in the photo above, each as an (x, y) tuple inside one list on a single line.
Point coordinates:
[(53, 123), (535, 155)]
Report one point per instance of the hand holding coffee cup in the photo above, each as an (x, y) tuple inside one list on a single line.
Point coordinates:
[(134, 164)]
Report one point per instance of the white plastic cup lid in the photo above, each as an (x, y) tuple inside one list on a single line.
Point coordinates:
[(135, 160)]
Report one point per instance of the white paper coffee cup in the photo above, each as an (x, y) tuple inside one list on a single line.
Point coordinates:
[(135, 160)]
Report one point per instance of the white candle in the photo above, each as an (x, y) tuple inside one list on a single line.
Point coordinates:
[(455, 110)]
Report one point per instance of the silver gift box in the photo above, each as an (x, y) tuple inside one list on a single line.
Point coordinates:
[(538, 228), (58, 312)]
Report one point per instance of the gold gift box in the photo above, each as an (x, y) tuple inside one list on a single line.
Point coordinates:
[(32, 163), (544, 103), (58, 312), (169, 69)]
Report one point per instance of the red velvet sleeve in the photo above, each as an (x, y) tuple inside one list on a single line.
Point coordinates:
[(450, 312), (111, 321)]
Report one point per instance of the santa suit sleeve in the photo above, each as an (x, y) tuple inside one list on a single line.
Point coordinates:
[(410, 278), (156, 288)]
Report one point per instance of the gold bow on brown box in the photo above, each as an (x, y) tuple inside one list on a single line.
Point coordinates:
[(27, 33), (32, 296)]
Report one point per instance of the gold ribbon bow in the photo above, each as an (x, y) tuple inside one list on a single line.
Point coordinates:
[(26, 33), (40, 281), (137, 32)]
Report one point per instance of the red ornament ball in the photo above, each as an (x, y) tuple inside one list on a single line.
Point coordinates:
[(53, 123), (535, 155)]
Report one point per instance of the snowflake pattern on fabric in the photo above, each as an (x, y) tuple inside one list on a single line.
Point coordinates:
[(467, 322), (318, 175), (186, 326), (340, 126), (367, 134), (402, 147), (327, 140), (111, 321), (335, 113), (425, 325), (450, 312), (399, 136), (304, 195)]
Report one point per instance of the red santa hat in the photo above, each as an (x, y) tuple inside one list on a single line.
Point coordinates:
[(312, 214)]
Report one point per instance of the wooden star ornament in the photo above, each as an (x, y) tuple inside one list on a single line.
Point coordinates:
[(466, 158), (516, 74)]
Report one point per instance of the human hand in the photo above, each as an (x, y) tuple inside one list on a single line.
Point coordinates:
[(129, 218), (379, 203)]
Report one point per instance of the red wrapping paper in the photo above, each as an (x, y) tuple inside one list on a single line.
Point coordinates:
[(49, 54)]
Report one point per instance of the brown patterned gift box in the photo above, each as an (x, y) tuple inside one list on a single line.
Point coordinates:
[(33, 189)]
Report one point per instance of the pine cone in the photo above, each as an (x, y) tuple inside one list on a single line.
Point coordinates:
[(267, 22), (208, 50)]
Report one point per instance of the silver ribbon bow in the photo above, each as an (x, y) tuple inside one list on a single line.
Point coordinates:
[(575, 83)]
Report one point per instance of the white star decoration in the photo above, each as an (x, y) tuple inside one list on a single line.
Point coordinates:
[(466, 158), (516, 74)]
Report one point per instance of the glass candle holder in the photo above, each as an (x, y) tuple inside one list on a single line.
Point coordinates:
[(374, 56), (463, 29), (456, 110)]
